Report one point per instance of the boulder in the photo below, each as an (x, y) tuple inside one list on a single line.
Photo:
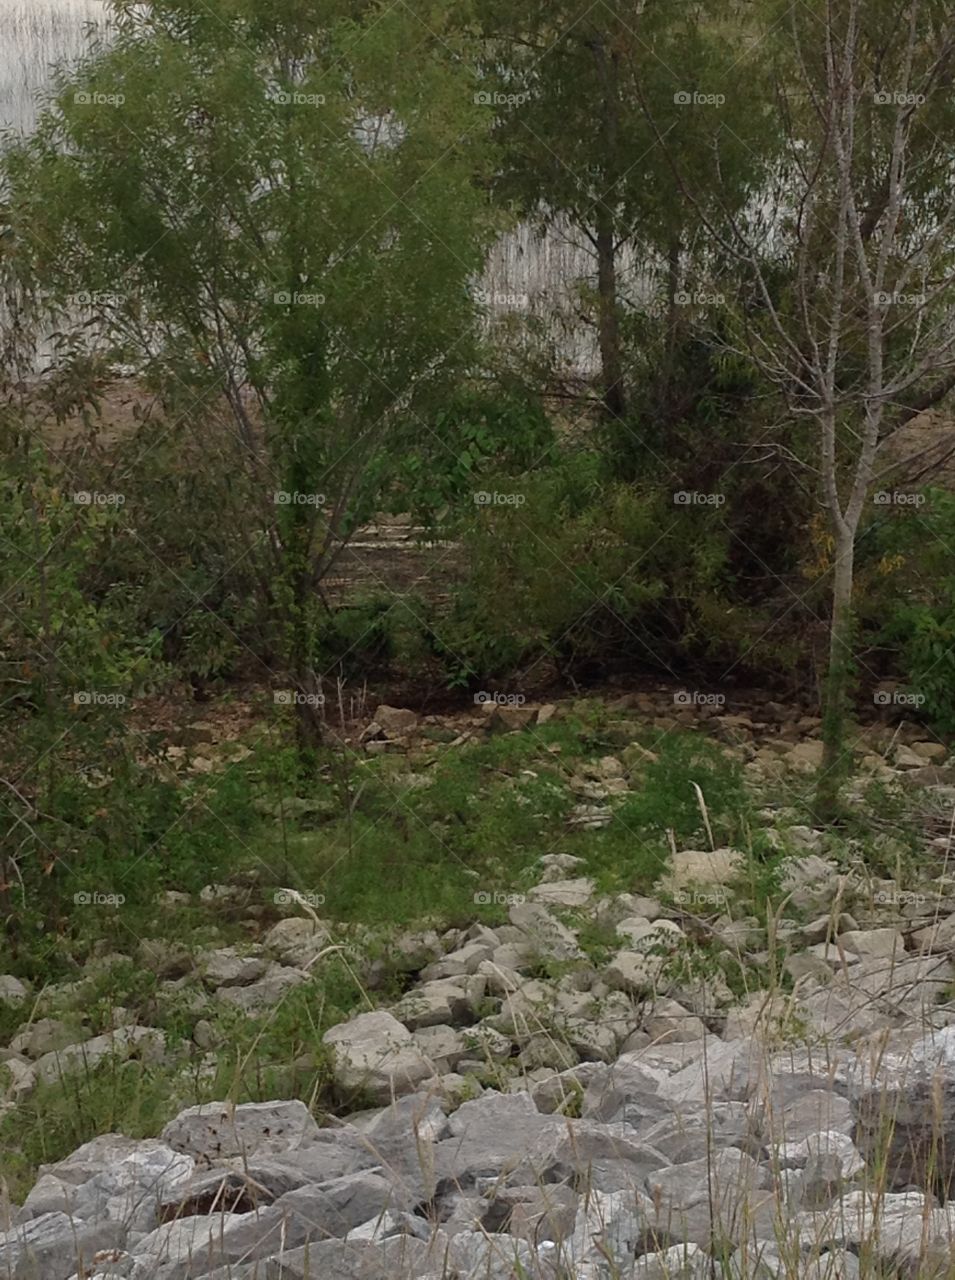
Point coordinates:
[(375, 1054), (213, 1131), (704, 868)]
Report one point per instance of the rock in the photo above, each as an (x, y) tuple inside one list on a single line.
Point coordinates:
[(533, 1214), (215, 1130), (555, 866), (17, 1076), (819, 1183), (904, 1109), (639, 973), (873, 942), (931, 751), (35, 1039), (804, 839), (145, 1043), (443, 1046), (812, 1111), (54, 1247), (435, 1004), (679, 1262), (227, 967), (670, 1021), (12, 990), (221, 893), (645, 935), (395, 722), (805, 756), (296, 940), (693, 867), (547, 1051), (510, 718), (500, 1136), (167, 960), (376, 1055), (475, 1255), (723, 1193), (611, 1228), (459, 963), (936, 938), (410, 952), (487, 1043), (267, 993), (551, 939), (564, 893), (810, 882)]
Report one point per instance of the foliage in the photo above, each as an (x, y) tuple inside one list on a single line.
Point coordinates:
[(909, 598)]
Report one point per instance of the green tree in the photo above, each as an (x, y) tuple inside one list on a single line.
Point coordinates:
[(274, 213), (575, 82)]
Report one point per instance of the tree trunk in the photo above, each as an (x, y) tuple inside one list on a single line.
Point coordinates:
[(835, 758), (608, 318)]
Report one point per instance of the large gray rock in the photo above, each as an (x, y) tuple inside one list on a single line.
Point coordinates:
[(266, 993), (564, 893), (549, 938), (227, 967), (712, 869), (145, 1043), (495, 1136), (54, 1246), (904, 1107), (12, 990), (377, 1056), (296, 941), (433, 1004), (214, 1131)]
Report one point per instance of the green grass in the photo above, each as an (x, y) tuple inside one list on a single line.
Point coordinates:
[(384, 854)]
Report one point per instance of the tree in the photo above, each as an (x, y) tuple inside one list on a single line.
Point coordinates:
[(274, 216), (848, 264), (573, 79)]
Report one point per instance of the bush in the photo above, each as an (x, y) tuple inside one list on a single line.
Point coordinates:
[(587, 575), (908, 599)]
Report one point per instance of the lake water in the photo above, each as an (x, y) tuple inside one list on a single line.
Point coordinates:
[(525, 272)]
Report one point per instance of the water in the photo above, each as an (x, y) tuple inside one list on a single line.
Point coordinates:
[(525, 274)]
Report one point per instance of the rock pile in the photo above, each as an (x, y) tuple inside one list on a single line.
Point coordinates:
[(696, 1158)]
